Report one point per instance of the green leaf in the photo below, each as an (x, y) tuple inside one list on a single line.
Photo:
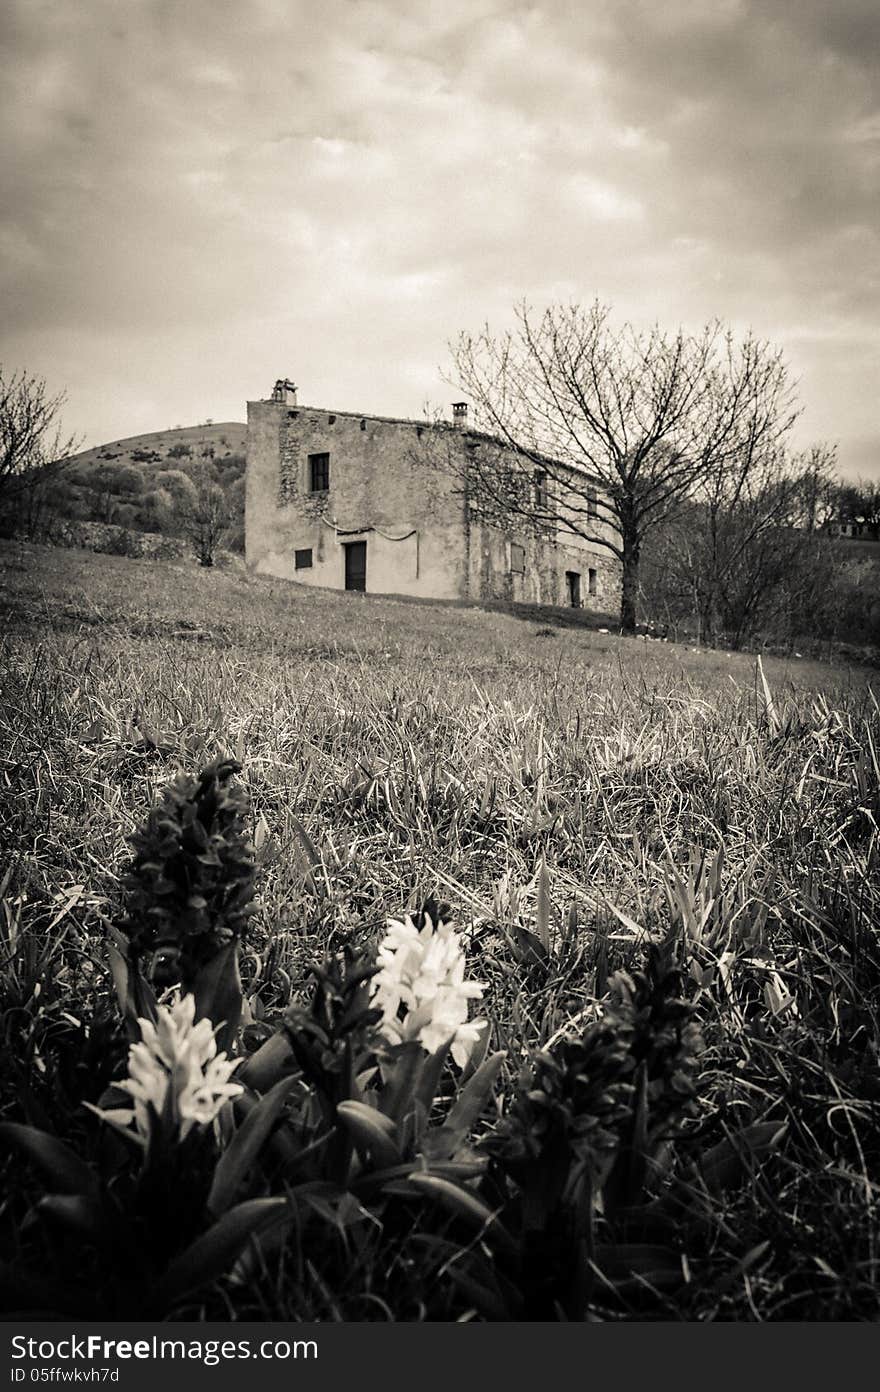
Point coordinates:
[(373, 1134), (244, 1148), (400, 1078), (212, 1254), (488, 1302), (61, 1166), (723, 1166), (745, 1264), (82, 1213), (527, 946), (307, 844), (461, 1203), (773, 720), (137, 999), (120, 1127), (272, 1061), (429, 1083), (543, 908), (217, 990), (119, 973), (443, 1142), (634, 1263), (478, 1052)]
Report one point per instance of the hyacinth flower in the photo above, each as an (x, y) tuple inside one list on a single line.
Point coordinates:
[(174, 1072), (420, 987)]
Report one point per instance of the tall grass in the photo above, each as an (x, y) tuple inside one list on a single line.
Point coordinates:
[(574, 797)]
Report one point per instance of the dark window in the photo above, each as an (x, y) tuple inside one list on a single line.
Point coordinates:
[(363, 425), (302, 560), (591, 578), (517, 558), (592, 499), (319, 472), (540, 489), (331, 420)]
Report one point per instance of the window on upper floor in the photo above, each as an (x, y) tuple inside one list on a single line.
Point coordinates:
[(592, 503), (319, 473), (541, 494), (302, 560), (517, 558)]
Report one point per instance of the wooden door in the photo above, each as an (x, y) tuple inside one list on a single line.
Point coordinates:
[(356, 565)]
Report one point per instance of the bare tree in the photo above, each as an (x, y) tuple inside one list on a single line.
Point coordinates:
[(32, 446), (860, 503), (817, 492), (605, 431), (741, 554)]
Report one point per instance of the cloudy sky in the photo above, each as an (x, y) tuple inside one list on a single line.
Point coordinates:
[(197, 196)]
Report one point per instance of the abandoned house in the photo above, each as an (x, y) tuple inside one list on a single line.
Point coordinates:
[(360, 502)]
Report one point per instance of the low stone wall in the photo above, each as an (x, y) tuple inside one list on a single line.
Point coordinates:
[(113, 540)]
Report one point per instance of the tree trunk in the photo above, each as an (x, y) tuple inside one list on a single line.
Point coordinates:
[(629, 583)]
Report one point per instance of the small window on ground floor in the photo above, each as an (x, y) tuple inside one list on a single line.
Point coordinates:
[(302, 560), (592, 578), (517, 558)]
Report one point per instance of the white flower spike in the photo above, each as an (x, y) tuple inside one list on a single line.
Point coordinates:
[(421, 990), (180, 1054)]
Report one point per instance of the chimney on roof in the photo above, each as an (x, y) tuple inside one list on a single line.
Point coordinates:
[(460, 414), (284, 391)]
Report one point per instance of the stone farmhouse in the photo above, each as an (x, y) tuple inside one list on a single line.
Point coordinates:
[(358, 502)]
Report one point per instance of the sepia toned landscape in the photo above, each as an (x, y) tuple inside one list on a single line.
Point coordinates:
[(439, 702)]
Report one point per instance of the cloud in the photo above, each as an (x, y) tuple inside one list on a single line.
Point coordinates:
[(202, 196)]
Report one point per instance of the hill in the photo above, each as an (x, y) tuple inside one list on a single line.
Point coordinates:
[(143, 484), (165, 447)]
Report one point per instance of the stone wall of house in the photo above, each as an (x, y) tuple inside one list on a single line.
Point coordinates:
[(383, 491), (512, 565), (390, 486)]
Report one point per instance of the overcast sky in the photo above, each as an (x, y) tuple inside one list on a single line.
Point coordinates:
[(199, 196)]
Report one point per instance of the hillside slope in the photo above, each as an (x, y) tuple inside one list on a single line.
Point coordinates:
[(250, 618), (157, 447)]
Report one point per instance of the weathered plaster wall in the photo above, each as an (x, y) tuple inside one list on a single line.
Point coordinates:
[(389, 489), (542, 580), (380, 482), (539, 574)]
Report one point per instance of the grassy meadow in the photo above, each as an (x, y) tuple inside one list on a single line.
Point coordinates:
[(579, 800)]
